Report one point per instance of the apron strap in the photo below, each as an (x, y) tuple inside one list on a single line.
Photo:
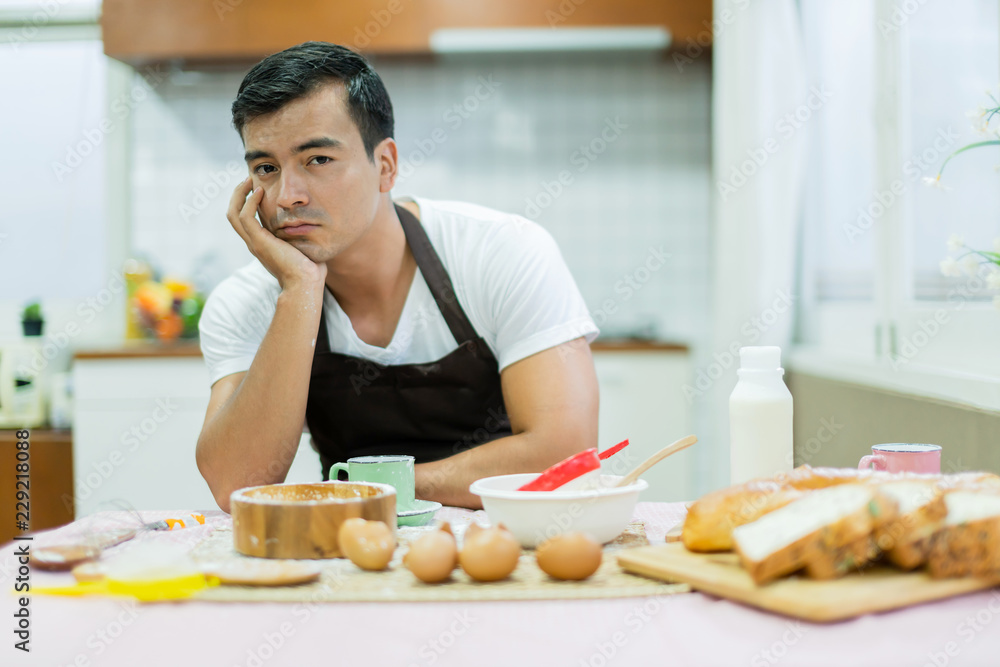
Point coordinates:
[(437, 279), (323, 338)]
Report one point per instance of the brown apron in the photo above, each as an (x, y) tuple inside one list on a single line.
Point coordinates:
[(429, 411)]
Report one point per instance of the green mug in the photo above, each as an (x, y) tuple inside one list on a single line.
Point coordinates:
[(395, 470)]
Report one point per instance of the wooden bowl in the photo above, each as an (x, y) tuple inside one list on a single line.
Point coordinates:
[(302, 520)]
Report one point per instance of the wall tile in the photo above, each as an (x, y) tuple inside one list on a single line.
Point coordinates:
[(511, 125)]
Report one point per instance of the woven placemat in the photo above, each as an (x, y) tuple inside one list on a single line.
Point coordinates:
[(342, 581)]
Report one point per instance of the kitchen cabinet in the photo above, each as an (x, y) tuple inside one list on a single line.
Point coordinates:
[(136, 422), (642, 400), (50, 483), (247, 30)]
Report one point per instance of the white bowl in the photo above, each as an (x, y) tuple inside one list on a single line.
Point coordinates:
[(535, 516)]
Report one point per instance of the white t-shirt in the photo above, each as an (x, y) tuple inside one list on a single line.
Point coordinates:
[(508, 275)]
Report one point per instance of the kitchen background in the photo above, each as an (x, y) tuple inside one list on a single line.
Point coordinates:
[(126, 152), (649, 189)]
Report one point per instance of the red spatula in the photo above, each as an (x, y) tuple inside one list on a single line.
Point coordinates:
[(564, 471), (611, 451)]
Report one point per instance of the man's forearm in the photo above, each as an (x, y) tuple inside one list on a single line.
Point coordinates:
[(252, 438), (447, 481)]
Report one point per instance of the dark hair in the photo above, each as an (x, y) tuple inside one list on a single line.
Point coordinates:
[(298, 71)]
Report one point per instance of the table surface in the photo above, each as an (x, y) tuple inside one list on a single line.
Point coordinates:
[(686, 629)]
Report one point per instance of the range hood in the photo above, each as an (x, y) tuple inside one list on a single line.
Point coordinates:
[(531, 40)]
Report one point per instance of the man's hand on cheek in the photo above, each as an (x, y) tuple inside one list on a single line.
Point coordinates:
[(284, 261)]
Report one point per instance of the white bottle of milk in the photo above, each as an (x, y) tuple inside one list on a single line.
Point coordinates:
[(760, 417)]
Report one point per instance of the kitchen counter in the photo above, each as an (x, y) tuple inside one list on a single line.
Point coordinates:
[(142, 350), (636, 345), (188, 348), (684, 629)]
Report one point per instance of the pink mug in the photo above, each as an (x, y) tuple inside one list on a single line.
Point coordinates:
[(903, 457)]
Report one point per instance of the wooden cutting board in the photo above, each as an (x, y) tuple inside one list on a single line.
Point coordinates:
[(877, 588)]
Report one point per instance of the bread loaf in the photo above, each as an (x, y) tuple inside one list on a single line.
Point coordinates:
[(807, 478), (711, 519), (985, 481)]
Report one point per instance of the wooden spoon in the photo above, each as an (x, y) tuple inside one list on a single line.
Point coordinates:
[(673, 448), (63, 556)]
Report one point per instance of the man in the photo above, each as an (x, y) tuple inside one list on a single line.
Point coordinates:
[(442, 330)]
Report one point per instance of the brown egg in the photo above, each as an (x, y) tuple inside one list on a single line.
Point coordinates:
[(473, 529), (489, 554), (433, 556), (574, 556), (369, 544)]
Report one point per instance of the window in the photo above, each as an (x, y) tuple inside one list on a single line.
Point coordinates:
[(54, 85), (952, 56), (874, 233), (842, 182)]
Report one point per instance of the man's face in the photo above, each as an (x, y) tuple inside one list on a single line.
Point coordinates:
[(321, 191)]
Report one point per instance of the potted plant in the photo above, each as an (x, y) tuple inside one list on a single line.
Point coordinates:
[(31, 319)]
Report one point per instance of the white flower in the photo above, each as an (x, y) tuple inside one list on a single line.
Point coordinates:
[(956, 243), (935, 182), (949, 267), (969, 265), (978, 118), (993, 278)]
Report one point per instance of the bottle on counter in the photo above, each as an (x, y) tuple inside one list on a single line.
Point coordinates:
[(760, 417), (136, 272), (22, 384)]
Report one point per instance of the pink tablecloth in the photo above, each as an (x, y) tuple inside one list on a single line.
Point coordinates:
[(692, 629)]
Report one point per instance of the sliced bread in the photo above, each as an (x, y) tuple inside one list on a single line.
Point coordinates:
[(710, 520), (835, 563), (807, 478), (964, 480), (832, 561), (906, 539), (786, 539), (969, 542)]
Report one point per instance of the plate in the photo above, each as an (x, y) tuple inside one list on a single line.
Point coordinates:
[(421, 514), (256, 572)]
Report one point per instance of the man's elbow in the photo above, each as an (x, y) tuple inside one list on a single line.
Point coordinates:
[(222, 494), (223, 503), (216, 484)]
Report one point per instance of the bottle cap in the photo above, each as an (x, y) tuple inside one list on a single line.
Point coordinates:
[(763, 358)]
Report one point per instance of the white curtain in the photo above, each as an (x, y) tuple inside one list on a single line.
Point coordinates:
[(762, 104)]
